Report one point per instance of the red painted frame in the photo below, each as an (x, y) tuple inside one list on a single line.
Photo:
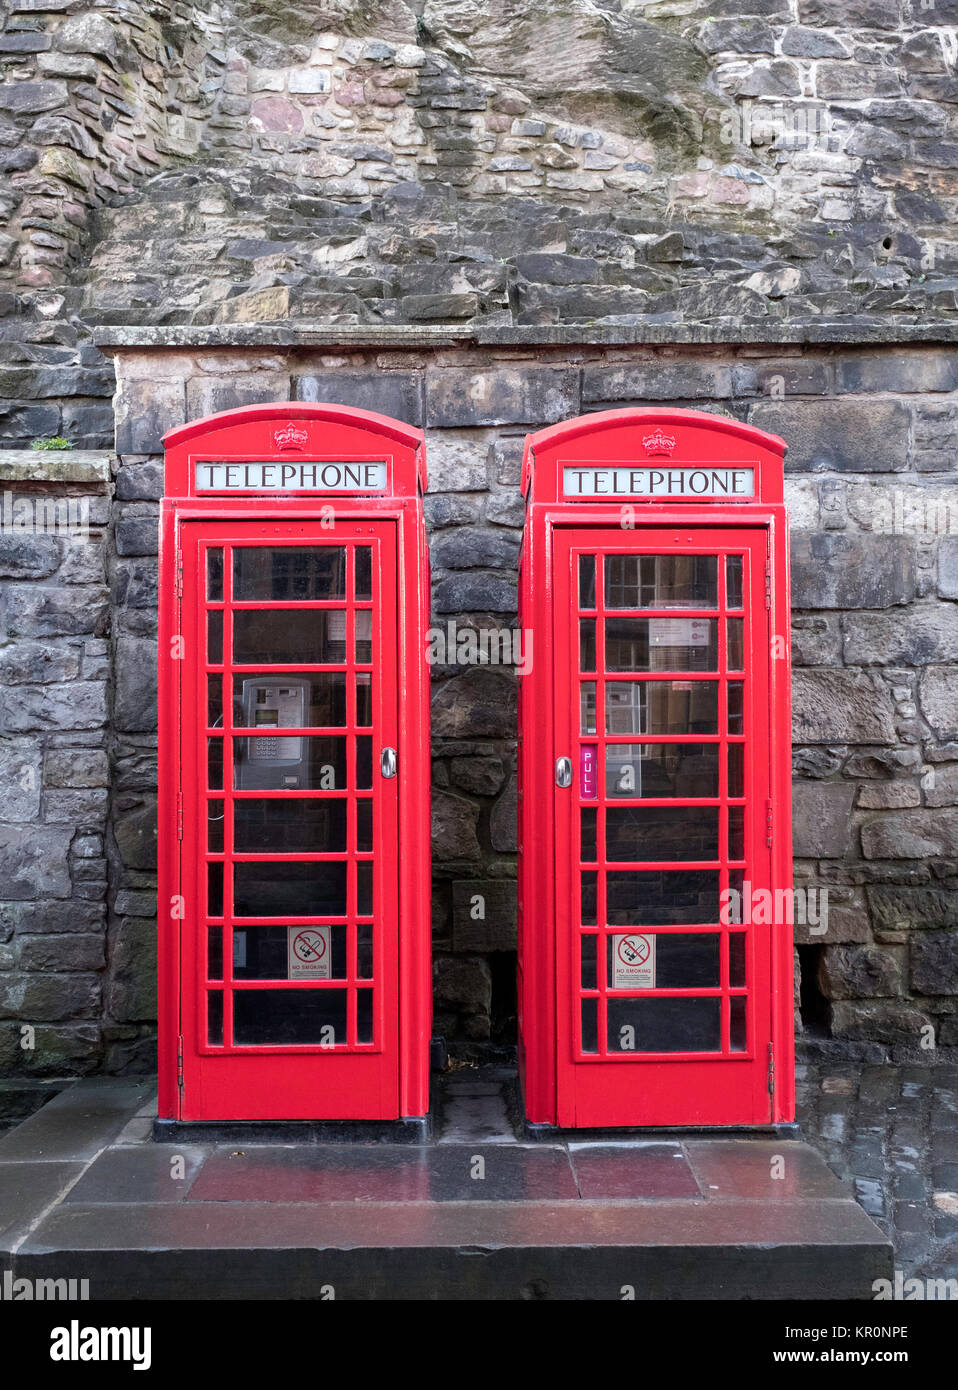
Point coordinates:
[(393, 518), (616, 438)]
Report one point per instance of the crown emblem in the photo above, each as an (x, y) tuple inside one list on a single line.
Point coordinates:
[(290, 437), (658, 443)]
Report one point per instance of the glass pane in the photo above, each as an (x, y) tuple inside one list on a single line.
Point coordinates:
[(282, 889), (317, 700), (214, 890), (214, 762), (214, 575), (733, 581), (661, 832), (364, 572), (289, 826), (290, 1016), (215, 815), (214, 701), (590, 1025), (736, 832), (587, 824), (734, 645), (364, 825), (661, 707), (587, 707), (664, 961), (588, 965), (214, 1018), (735, 707), (586, 581), (364, 889), (214, 636), (662, 769), (661, 581), (589, 886), (661, 644), (285, 636), (664, 1025), (364, 1015), (736, 769), (364, 634), (738, 1039), (736, 959), (289, 953), (307, 762), (662, 897), (214, 953), (364, 951), (732, 913), (587, 644), (364, 761), (364, 699), (289, 573)]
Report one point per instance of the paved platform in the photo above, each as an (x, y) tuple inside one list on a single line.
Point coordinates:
[(86, 1194)]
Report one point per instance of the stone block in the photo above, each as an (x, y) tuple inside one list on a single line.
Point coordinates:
[(135, 702), (20, 778), (457, 463), (462, 984), (840, 707), (397, 394), (821, 819), (24, 556), (62, 953), (479, 703), (845, 435), (948, 567), (849, 570), (898, 371), (468, 592), (144, 412), (459, 398), (938, 697), (484, 915), (46, 610), (924, 635), (918, 834), (658, 380), (887, 1021), (478, 776), (941, 789), (74, 705), (475, 548), (933, 961), (33, 862), (131, 994), (816, 640), (454, 821), (504, 821), (138, 535), (859, 972)]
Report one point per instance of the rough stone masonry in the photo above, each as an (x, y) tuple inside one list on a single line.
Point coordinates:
[(481, 225)]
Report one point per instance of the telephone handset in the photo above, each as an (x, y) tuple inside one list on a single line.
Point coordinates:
[(281, 760)]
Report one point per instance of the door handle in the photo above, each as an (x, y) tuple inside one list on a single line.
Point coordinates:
[(388, 762), (563, 772)]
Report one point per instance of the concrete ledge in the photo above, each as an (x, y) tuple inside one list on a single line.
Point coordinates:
[(69, 466), (305, 333)]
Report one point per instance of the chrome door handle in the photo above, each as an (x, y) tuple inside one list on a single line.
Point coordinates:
[(563, 772), (388, 762)]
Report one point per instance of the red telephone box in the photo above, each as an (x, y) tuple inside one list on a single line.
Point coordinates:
[(655, 952), (294, 933)]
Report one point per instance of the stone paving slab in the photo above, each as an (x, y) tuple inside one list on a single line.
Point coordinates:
[(488, 1219)]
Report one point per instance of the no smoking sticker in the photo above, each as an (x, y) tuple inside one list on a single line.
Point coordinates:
[(308, 953), (633, 961)]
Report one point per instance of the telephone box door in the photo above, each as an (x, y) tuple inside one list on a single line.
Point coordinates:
[(289, 948), (661, 642)]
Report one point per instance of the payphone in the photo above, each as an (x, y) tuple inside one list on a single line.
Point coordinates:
[(294, 923), (654, 774)]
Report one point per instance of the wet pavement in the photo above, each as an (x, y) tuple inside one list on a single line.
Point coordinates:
[(476, 1213)]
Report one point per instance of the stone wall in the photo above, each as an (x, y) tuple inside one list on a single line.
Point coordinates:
[(56, 958), (174, 162), (874, 515)]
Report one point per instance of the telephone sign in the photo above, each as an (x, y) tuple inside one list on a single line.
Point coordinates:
[(654, 580), (294, 757)]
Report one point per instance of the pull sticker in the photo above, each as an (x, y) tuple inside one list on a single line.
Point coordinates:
[(308, 953), (587, 771), (633, 961)]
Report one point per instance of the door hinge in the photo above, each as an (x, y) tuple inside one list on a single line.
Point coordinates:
[(179, 573), (768, 583), (768, 822), (771, 1070), (179, 815), (179, 1062)]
